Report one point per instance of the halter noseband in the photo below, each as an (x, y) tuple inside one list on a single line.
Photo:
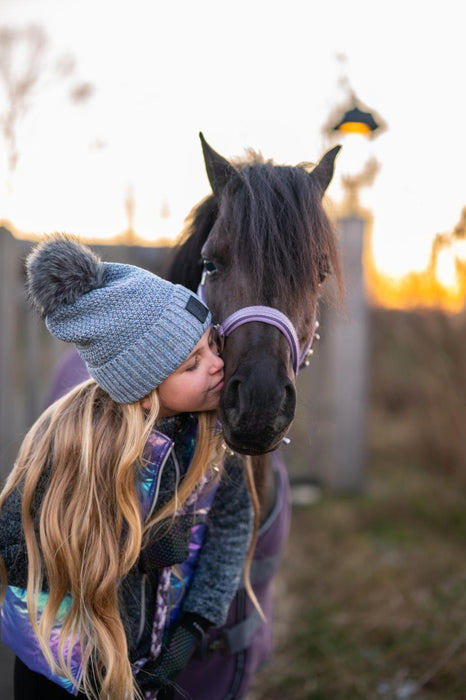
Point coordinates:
[(271, 316)]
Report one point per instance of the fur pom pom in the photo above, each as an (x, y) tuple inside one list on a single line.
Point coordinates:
[(59, 271)]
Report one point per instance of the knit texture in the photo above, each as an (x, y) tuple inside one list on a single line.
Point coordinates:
[(131, 327)]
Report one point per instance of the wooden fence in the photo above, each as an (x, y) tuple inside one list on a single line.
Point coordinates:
[(328, 436), (28, 353)]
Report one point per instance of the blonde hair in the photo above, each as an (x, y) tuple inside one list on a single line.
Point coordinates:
[(86, 533)]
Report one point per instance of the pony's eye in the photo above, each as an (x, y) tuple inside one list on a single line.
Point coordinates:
[(209, 267), (324, 268)]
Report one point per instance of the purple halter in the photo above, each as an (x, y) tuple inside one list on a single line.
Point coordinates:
[(265, 314)]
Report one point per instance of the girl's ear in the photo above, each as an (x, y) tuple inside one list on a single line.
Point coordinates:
[(146, 403)]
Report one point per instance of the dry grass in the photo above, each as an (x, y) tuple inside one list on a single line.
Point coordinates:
[(371, 596), (419, 387)]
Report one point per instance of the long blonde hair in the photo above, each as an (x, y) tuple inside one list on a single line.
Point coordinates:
[(86, 532)]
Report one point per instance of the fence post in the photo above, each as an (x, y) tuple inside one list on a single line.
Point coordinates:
[(8, 304), (328, 444), (351, 350)]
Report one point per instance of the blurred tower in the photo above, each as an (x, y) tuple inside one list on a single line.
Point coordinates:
[(337, 383), (349, 335)]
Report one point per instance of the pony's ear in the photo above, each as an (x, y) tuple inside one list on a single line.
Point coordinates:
[(323, 172), (219, 170)]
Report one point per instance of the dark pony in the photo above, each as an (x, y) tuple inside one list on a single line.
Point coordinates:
[(264, 238)]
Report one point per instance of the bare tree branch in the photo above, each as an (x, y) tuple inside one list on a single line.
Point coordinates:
[(21, 61)]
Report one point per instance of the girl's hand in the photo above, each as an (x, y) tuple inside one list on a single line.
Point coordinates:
[(184, 637)]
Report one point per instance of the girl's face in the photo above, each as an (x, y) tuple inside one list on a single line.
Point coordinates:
[(196, 384)]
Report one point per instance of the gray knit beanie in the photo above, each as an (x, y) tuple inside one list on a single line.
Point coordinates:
[(132, 328)]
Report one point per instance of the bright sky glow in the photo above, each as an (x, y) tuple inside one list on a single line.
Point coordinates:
[(253, 73), (446, 272)]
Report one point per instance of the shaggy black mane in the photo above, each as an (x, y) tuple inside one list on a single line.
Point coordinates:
[(278, 231)]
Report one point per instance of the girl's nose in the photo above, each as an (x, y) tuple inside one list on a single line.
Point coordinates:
[(217, 362)]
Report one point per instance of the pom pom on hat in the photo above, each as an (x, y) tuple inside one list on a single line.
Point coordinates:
[(59, 271)]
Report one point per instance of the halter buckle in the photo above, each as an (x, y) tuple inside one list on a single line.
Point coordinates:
[(219, 337)]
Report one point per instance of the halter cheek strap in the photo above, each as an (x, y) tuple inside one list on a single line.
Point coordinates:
[(271, 316)]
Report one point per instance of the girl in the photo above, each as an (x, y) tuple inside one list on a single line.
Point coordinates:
[(116, 483)]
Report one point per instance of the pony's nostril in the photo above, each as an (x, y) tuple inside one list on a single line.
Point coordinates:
[(289, 399), (231, 397), (287, 408)]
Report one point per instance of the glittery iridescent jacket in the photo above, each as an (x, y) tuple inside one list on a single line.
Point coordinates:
[(212, 537)]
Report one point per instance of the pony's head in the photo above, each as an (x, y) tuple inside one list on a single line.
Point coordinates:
[(263, 238)]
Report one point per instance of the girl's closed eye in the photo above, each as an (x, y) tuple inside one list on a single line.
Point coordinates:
[(193, 365)]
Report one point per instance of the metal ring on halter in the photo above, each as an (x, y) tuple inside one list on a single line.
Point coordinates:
[(308, 350)]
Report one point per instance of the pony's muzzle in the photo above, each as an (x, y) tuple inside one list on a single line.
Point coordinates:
[(257, 411)]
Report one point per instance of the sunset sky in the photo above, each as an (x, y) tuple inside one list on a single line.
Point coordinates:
[(253, 73)]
